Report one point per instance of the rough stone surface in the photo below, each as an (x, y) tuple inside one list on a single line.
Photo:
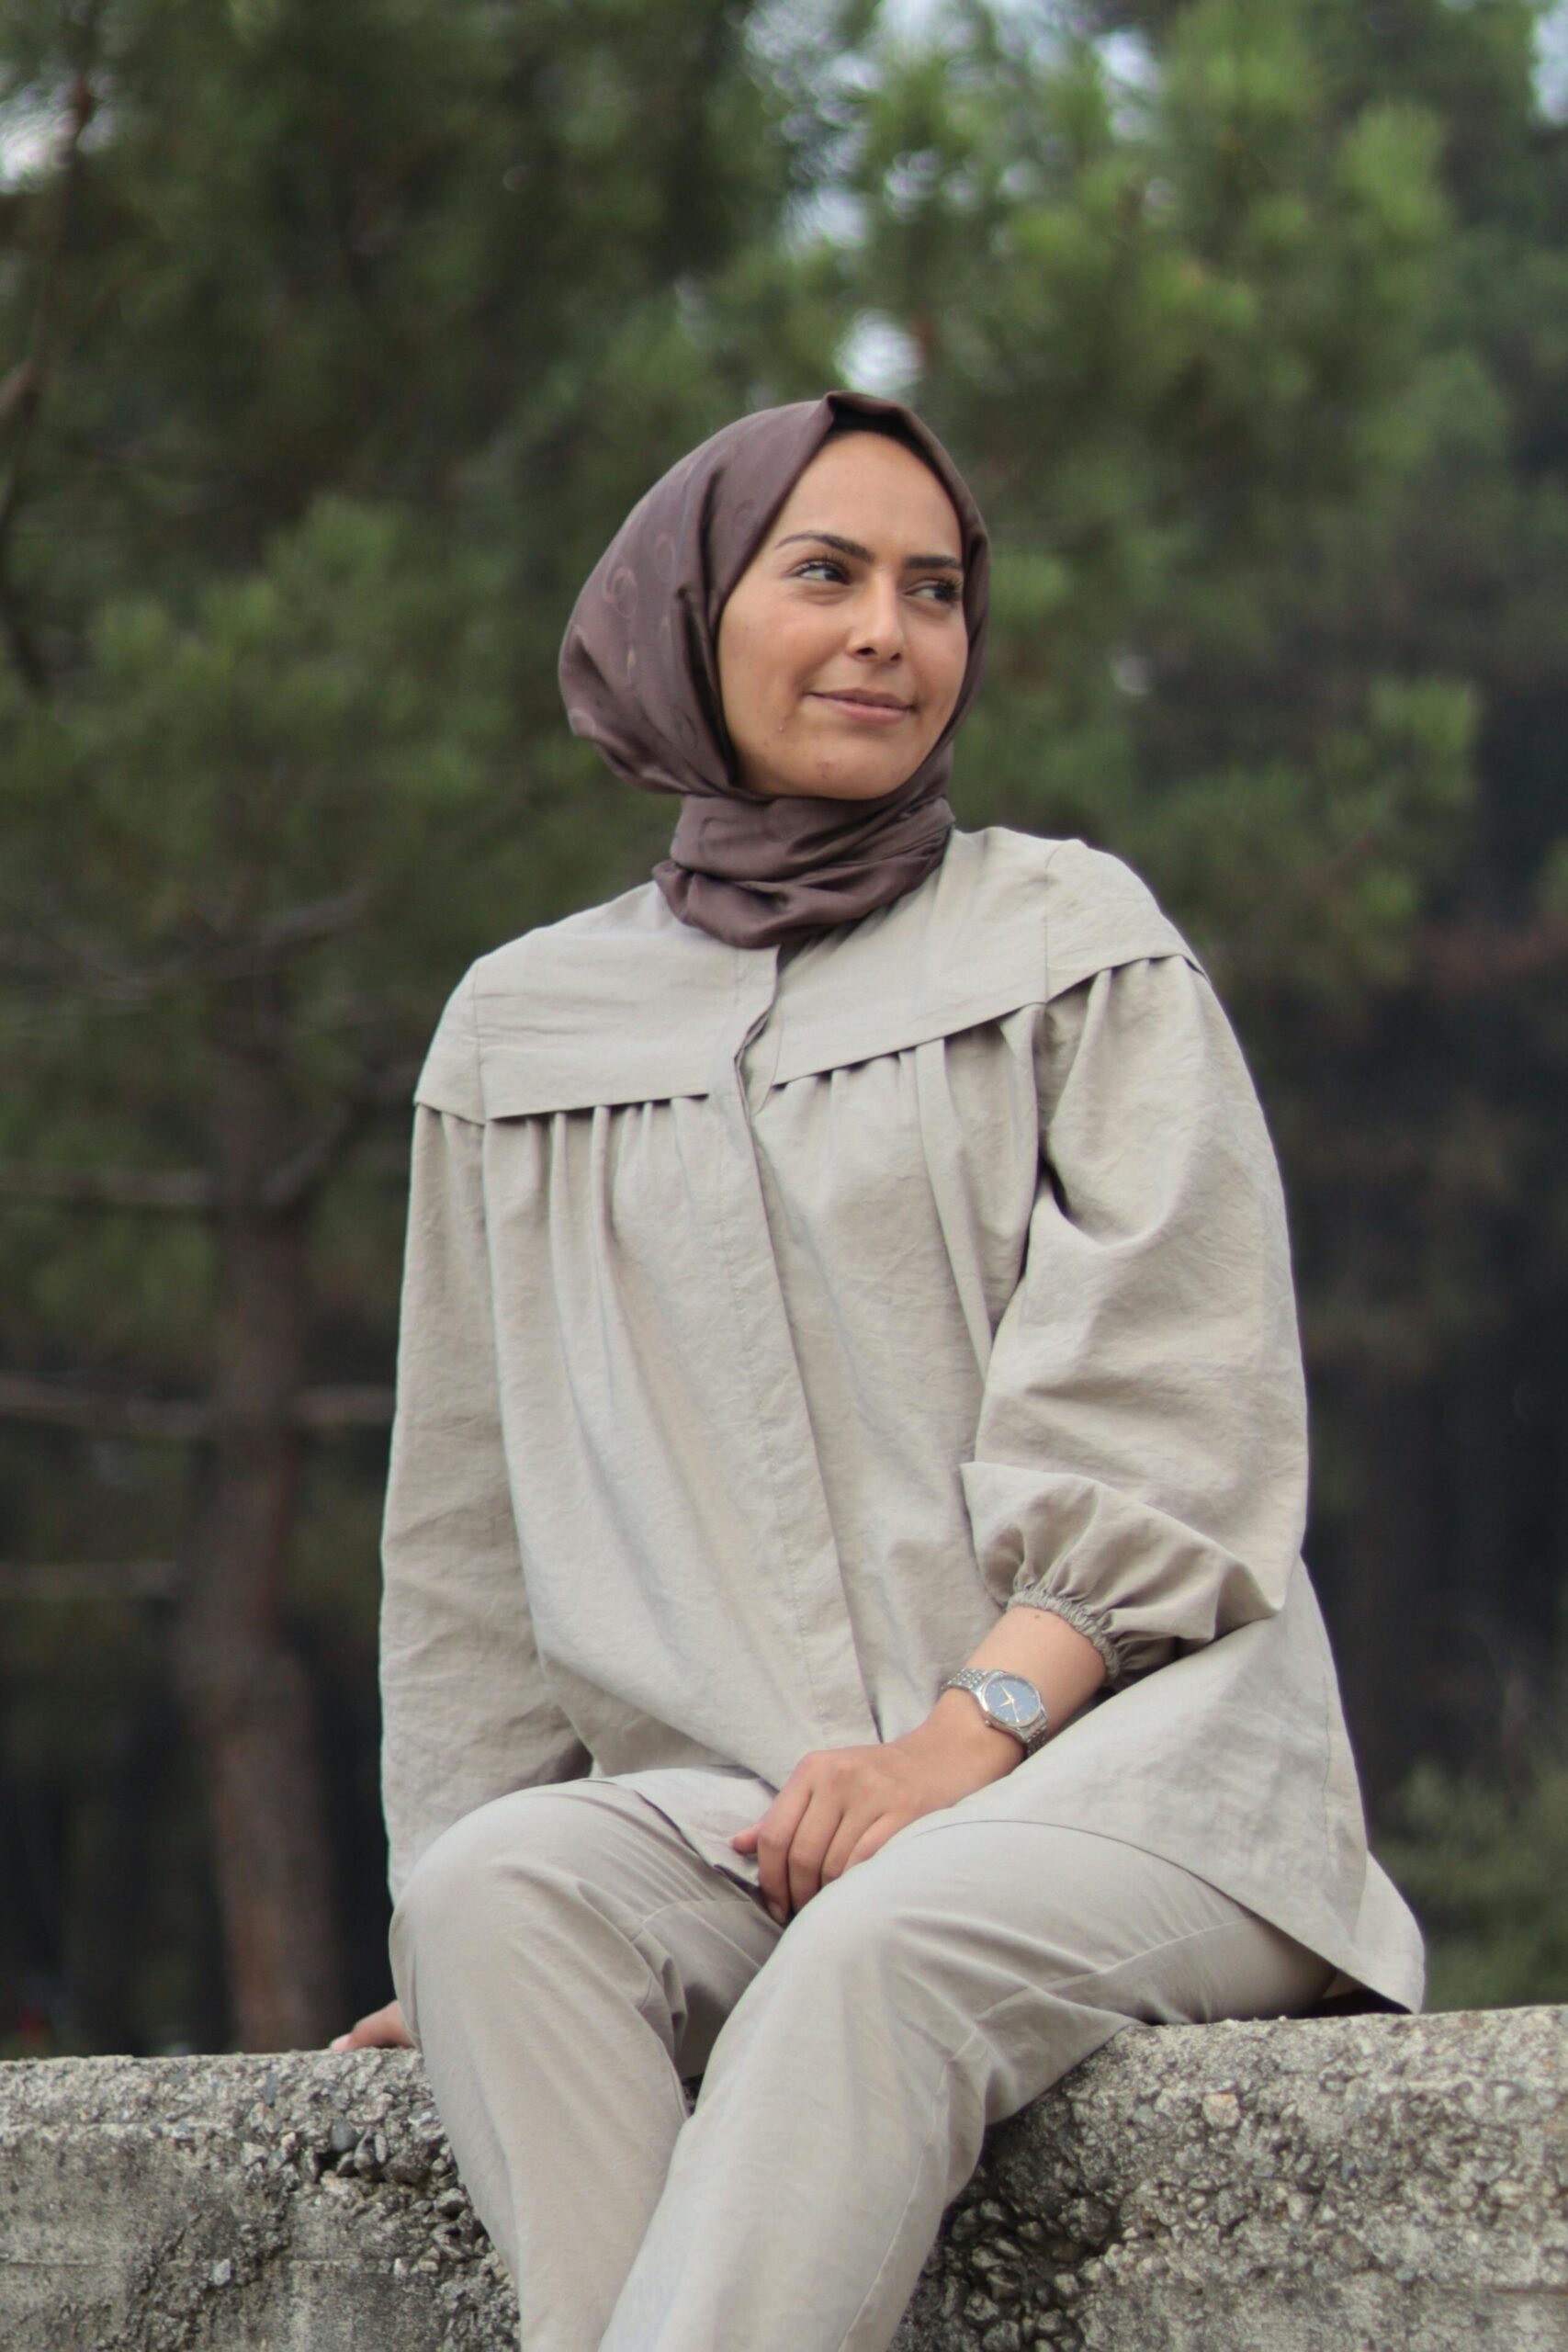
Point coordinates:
[(1355, 2184), (1351, 2185)]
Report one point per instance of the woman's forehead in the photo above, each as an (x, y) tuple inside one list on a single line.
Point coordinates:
[(871, 487)]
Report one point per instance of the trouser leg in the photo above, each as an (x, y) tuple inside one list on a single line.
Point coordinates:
[(930, 1991), (562, 1957)]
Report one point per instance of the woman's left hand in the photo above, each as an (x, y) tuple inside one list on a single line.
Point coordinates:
[(839, 1804)]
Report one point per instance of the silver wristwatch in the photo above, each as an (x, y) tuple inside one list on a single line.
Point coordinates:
[(1007, 1700)]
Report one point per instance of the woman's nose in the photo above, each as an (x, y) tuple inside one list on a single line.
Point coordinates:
[(877, 625)]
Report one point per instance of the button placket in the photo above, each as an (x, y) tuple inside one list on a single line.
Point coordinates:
[(807, 1558)]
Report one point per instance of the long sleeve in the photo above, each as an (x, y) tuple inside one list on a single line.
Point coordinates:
[(1140, 1463), (465, 1712)]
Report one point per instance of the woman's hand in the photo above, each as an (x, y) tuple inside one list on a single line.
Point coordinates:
[(839, 1804), (382, 2029)]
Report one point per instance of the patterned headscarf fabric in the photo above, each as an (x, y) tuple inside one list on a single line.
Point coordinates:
[(640, 674)]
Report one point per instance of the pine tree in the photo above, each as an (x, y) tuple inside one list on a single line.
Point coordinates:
[(345, 336), (1250, 320), (332, 342)]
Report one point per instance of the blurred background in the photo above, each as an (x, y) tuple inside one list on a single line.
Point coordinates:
[(333, 342)]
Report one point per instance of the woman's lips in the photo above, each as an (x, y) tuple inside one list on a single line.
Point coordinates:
[(872, 710)]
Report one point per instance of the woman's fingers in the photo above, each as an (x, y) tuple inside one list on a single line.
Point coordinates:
[(776, 1833), (846, 1807), (383, 2028), (872, 1840), (834, 1803), (812, 1836), (858, 1834)]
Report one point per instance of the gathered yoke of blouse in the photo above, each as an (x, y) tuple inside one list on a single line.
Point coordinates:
[(772, 1321)]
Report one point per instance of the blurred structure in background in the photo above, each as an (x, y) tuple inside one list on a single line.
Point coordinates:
[(333, 344)]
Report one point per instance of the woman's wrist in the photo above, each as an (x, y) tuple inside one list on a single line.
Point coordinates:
[(1063, 1665), (958, 1734)]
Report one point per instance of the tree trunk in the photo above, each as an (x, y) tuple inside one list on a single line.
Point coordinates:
[(244, 1692)]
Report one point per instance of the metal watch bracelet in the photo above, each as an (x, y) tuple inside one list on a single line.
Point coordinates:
[(1030, 1732)]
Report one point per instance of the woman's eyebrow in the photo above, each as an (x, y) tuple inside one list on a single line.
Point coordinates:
[(853, 547)]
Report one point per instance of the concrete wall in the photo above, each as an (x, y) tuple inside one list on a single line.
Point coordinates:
[(1361, 2185)]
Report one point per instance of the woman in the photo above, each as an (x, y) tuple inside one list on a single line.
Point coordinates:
[(853, 1260)]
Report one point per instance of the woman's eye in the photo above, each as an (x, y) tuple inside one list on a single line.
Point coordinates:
[(826, 567)]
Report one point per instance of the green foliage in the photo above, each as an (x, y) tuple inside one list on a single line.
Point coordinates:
[(1249, 330), (364, 349), (349, 355), (1487, 1869), (1192, 368)]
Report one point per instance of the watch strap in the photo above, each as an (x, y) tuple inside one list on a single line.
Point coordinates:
[(975, 1679)]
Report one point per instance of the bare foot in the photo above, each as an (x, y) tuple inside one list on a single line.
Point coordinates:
[(382, 2029)]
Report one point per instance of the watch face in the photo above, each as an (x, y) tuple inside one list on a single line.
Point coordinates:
[(1009, 1700)]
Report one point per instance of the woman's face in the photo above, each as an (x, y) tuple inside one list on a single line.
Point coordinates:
[(843, 647)]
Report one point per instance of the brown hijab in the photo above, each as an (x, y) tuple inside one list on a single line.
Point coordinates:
[(640, 674)]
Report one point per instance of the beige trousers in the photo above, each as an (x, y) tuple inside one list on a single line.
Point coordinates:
[(564, 1958)]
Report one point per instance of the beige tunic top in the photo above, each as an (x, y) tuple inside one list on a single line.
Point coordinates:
[(774, 1319)]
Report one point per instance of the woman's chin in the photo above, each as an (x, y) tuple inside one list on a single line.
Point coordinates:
[(841, 783)]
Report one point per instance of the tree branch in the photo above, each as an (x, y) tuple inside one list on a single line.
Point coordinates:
[(104, 1413), (295, 927), (306, 1169), (88, 1580), (101, 1411), (1467, 959), (343, 1408), (29, 952), (242, 948), (295, 1180), (191, 1190), (179, 1190)]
